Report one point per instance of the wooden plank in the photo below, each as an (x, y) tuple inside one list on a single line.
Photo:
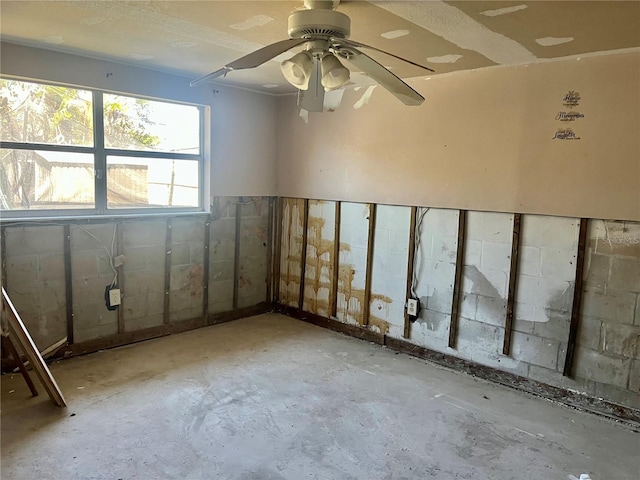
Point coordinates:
[(7, 344), (205, 273), (236, 255), (167, 274), (270, 252), (457, 284), (20, 333), (120, 269), (303, 254), (3, 256), (68, 285), (278, 249), (335, 263), (577, 299), (410, 267), (366, 308), (513, 284)]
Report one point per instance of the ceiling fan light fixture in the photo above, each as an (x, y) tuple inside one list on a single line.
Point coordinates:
[(297, 70), (334, 74)]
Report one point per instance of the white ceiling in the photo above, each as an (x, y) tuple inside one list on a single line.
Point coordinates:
[(196, 37)]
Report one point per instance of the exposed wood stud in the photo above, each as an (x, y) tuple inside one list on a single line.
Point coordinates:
[(303, 254), (68, 286), (121, 285), (457, 284), (3, 256), (577, 298), (366, 308), (236, 255), (167, 274), (513, 284), (206, 269), (410, 266), (269, 251), (278, 248), (335, 260)]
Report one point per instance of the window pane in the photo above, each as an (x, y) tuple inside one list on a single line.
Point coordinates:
[(151, 182), (38, 180), (138, 124), (35, 113)]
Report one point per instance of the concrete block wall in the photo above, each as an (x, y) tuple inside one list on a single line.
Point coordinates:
[(291, 251), (319, 266), (222, 241), (254, 251), (608, 346), (91, 272), (389, 271), (437, 240), (606, 361), (35, 273), (35, 280), (187, 268), (352, 260), (144, 248)]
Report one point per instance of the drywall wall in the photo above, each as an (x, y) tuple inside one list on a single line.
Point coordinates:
[(483, 140), (242, 124), (607, 352)]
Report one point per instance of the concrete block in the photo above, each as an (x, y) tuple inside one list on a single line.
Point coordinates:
[(45, 327), (180, 254), (22, 269), (527, 313), (155, 303), (589, 330), (445, 248), (184, 300), (623, 396), (634, 376), (223, 228), (144, 233), (529, 261), (491, 310), (544, 292), (557, 328), (221, 270), (221, 249), (496, 256), (599, 367), (555, 377), (51, 267), (535, 350), (187, 230), (100, 331), (135, 306), (148, 321), (468, 305), (617, 307), (556, 232), (84, 264), (478, 336), (251, 300), (490, 283), (90, 315), (439, 301), (34, 240), (472, 252), (615, 238), (146, 281), (84, 238), (188, 313), (221, 292), (637, 314), (399, 240), (597, 270), (558, 264), (490, 226), (619, 339), (625, 274), (443, 221)]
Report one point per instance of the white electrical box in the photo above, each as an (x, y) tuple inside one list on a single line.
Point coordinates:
[(412, 307), (114, 297)]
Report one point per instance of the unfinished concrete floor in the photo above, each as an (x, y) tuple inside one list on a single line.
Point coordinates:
[(270, 397)]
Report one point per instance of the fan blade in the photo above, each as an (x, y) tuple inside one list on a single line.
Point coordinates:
[(351, 43), (384, 77), (253, 59)]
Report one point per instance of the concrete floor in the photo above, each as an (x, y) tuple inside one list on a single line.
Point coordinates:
[(270, 397)]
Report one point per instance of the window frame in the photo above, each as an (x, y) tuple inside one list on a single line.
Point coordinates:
[(100, 154)]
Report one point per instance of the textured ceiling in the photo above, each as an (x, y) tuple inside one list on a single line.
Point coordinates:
[(196, 37)]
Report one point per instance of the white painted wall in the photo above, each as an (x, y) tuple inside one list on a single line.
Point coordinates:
[(483, 140), (242, 124)]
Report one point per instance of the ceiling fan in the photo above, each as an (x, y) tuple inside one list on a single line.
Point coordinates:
[(324, 32)]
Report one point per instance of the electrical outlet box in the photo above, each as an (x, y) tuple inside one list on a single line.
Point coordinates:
[(114, 297), (412, 307)]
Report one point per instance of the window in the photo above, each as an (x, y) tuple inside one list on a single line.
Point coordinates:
[(67, 151)]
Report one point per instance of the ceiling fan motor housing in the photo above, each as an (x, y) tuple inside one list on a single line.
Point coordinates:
[(319, 23)]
